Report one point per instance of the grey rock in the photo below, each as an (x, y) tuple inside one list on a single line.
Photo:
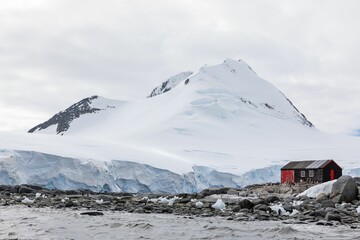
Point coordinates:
[(327, 203), (236, 209), (272, 199), (344, 190), (258, 201), (233, 192), (245, 210), (69, 203), (332, 217), (288, 207), (321, 197), (212, 191), (24, 189), (324, 223), (262, 207), (92, 213), (245, 203), (319, 213)]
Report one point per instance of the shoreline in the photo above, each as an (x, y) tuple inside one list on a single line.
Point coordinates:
[(267, 202)]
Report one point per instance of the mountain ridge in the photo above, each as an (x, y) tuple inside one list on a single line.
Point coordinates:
[(220, 86)]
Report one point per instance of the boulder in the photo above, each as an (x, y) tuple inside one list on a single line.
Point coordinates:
[(344, 190), (246, 204)]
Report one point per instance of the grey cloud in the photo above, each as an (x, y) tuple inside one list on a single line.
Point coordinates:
[(55, 53)]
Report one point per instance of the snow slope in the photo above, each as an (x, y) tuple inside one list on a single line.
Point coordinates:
[(221, 126)]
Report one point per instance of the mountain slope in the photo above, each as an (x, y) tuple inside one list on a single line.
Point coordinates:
[(227, 91)]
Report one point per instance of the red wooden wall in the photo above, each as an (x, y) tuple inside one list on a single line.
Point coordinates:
[(287, 176)]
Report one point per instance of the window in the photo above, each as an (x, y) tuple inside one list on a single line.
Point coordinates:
[(311, 173), (302, 173)]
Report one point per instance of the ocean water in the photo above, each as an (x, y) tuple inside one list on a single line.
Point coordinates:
[(21, 222)]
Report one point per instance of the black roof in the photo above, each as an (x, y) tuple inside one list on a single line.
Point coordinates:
[(313, 164)]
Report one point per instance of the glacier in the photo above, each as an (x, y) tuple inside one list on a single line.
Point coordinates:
[(55, 172)]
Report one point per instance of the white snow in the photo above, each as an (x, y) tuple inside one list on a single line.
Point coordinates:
[(358, 210), (37, 195), (278, 208), (314, 191), (226, 119), (101, 201), (297, 203), (27, 201), (219, 205)]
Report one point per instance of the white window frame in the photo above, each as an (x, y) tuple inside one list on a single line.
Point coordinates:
[(311, 173), (302, 173)]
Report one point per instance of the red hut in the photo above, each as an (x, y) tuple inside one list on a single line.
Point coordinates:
[(310, 171)]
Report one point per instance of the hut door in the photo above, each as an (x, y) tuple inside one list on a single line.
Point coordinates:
[(332, 174)]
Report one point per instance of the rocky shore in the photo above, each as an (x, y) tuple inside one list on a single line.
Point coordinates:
[(268, 202)]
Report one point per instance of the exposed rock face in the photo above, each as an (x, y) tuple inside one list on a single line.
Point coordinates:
[(64, 118), (170, 83), (344, 190)]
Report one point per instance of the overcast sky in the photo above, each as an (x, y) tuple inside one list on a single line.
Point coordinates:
[(54, 53)]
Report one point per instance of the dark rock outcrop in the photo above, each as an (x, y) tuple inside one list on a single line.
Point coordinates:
[(63, 119)]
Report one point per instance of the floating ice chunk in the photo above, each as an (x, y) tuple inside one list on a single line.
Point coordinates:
[(163, 200), (99, 201), (153, 200), (172, 200), (220, 205), (37, 195), (358, 210), (199, 204), (27, 201)]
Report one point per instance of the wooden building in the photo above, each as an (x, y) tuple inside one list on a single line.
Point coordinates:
[(310, 171)]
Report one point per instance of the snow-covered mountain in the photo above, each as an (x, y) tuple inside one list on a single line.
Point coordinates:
[(220, 126)]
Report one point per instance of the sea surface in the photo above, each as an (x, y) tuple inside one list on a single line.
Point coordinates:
[(21, 222)]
